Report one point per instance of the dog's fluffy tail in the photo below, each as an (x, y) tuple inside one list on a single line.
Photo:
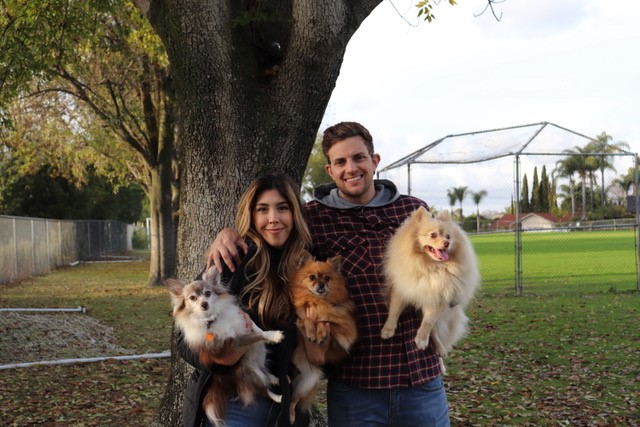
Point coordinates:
[(215, 401)]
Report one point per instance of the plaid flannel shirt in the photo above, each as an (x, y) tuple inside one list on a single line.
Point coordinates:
[(359, 236)]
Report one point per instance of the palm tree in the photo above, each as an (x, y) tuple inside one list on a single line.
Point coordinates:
[(460, 193), (566, 168), (604, 146), (570, 191), (477, 198), (453, 198), (577, 161), (627, 181)]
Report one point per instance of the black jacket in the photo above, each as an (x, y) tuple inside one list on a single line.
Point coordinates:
[(278, 361)]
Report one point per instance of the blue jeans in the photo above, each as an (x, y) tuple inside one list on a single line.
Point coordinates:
[(424, 406), (264, 412)]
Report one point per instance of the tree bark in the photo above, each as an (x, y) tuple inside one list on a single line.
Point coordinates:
[(246, 107)]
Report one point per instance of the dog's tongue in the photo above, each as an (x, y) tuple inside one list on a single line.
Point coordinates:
[(443, 255)]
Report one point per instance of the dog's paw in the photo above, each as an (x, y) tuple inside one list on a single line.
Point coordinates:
[(439, 349), (272, 379), (422, 344), (387, 332), (312, 337), (274, 336), (322, 333)]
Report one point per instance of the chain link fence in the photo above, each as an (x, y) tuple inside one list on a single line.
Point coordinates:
[(579, 233), (32, 246)]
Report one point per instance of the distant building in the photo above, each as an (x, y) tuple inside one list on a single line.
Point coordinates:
[(530, 221)]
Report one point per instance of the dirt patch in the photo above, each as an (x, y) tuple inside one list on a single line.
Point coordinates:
[(37, 337)]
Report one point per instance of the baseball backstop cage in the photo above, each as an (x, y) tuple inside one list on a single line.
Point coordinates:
[(549, 209)]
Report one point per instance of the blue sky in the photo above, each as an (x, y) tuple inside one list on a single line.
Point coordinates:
[(570, 62)]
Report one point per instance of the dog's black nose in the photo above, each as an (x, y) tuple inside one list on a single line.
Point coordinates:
[(204, 305)]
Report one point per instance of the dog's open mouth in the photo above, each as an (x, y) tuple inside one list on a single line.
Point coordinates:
[(320, 289), (440, 254)]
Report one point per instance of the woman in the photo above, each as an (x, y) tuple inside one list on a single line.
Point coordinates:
[(270, 221)]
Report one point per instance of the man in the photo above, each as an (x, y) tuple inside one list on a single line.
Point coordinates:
[(389, 382)]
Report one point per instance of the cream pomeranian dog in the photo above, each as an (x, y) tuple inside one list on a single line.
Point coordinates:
[(208, 315), (431, 265)]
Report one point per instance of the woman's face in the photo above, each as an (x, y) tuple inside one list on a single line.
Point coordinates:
[(272, 218)]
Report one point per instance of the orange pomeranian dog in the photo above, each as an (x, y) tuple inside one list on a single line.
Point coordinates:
[(208, 315), (431, 265), (318, 287)]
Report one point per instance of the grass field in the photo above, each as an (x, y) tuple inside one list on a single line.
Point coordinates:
[(544, 359), (553, 263)]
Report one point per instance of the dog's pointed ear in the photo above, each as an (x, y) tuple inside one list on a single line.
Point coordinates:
[(336, 261), (305, 257), (211, 274), (444, 215), (421, 213), (174, 286)]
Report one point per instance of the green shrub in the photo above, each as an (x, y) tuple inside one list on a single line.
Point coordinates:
[(140, 239)]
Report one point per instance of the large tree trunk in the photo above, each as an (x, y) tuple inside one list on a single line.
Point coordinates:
[(245, 108)]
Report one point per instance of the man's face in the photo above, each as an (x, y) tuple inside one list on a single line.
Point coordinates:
[(351, 167)]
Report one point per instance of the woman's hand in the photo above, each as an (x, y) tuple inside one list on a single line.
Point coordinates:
[(225, 249), (316, 351)]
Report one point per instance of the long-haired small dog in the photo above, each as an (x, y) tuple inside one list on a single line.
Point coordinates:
[(208, 316), (319, 287), (431, 265)]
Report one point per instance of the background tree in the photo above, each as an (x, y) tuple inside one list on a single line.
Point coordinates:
[(524, 196), (315, 173), (477, 198), (461, 193), (40, 194), (605, 147), (50, 169), (543, 190), (553, 192), (106, 57), (577, 162), (627, 181), (535, 192), (453, 198)]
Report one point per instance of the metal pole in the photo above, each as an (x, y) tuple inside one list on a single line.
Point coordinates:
[(33, 250), (409, 179), (518, 237), (637, 200), (15, 251)]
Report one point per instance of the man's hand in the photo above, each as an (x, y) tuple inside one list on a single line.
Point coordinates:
[(225, 249)]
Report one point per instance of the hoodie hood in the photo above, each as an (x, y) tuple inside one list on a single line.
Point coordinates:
[(327, 194)]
